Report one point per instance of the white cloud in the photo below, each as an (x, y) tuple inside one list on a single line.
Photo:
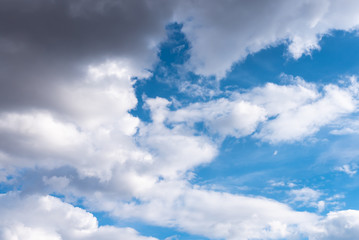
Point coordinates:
[(173, 203), (45, 217), (98, 140), (222, 33), (153, 165), (347, 169), (274, 113), (90, 130), (175, 150), (305, 195), (278, 99), (236, 118), (274, 183), (219, 215), (304, 120), (197, 211), (339, 225), (350, 125)]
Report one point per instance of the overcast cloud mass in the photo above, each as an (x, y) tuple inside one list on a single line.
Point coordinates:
[(155, 119)]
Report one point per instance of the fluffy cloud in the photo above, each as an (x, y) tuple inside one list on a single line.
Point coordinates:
[(46, 217), (236, 118), (278, 99), (112, 29), (152, 165), (97, 150), (80, 132), (272, 113), (221, 215), (222, 33), (67, 117), (306, 119), (40, 72), (194, 210), (338, 225)]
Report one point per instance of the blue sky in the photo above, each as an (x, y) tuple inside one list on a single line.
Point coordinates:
[(171, 120)]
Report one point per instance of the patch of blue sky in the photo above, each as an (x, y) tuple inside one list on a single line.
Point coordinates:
[(173, 53), (246, 165), (162, 233), (12, 182), (336, 58), (170, 78), (7, 185)]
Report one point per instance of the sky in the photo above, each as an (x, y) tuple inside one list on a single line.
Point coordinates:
[(179, 119)]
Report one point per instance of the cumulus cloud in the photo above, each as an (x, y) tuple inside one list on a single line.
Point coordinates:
[(338, 225), (198, 211), (222, 33), (235, 118), (47, 47), (45, 217), (301, 121), (67, 117), (82, 132), (103, 155), (272, 113)]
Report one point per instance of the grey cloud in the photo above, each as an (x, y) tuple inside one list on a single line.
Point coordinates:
[(46, 42)]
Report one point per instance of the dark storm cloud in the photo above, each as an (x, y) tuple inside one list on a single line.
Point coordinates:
[(45, 42)]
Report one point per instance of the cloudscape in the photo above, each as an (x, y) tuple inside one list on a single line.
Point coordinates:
[(179, 119)]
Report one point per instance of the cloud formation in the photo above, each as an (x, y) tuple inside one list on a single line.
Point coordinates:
[(273, 113), (222, 33), (45, 45), (46, 217), (67, 76)]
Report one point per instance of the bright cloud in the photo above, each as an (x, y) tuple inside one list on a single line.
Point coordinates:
[(248, 27), (305, 120), (236, 118), (222, 215), (339, 225), (274, 113), (46, 217)]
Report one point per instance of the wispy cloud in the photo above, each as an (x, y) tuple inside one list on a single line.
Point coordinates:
[(347, 169)]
